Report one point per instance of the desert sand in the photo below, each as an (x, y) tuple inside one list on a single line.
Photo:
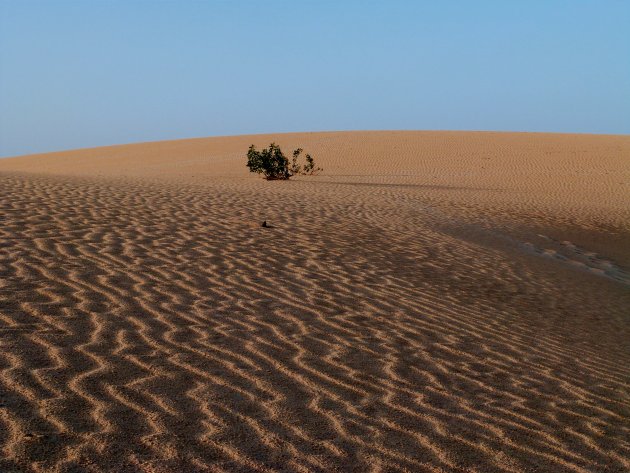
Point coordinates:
[(432, 302)]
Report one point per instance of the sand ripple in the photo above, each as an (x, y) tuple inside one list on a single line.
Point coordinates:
[(154, 326)]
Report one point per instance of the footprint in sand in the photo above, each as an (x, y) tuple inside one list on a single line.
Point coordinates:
[(570, 253)]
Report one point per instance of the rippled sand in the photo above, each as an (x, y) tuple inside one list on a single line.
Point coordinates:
[(434, 301)]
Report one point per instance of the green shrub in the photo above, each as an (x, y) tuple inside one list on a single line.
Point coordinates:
[(273, 164)]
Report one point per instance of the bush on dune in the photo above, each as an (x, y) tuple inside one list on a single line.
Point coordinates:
[(274, 165)]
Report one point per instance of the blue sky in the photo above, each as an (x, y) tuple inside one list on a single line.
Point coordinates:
[(90, 73)]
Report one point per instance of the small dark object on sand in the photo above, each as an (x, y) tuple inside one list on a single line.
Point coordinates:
[(264, 224)]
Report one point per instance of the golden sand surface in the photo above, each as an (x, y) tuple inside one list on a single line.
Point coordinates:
[(433, 301)]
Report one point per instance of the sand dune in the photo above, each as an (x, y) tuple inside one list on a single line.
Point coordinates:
[(434, 301)]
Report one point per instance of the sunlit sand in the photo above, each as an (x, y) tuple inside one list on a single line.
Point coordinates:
[(433, 301)]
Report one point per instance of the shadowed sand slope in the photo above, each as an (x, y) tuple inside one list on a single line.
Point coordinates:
[(435, 301)]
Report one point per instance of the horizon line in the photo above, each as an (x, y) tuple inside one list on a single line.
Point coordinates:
[(384, 130)]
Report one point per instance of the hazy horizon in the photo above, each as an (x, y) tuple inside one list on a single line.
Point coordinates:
[(76, 75), (301, 132)]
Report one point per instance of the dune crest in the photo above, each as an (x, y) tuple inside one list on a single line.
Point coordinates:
[(434, 301)]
